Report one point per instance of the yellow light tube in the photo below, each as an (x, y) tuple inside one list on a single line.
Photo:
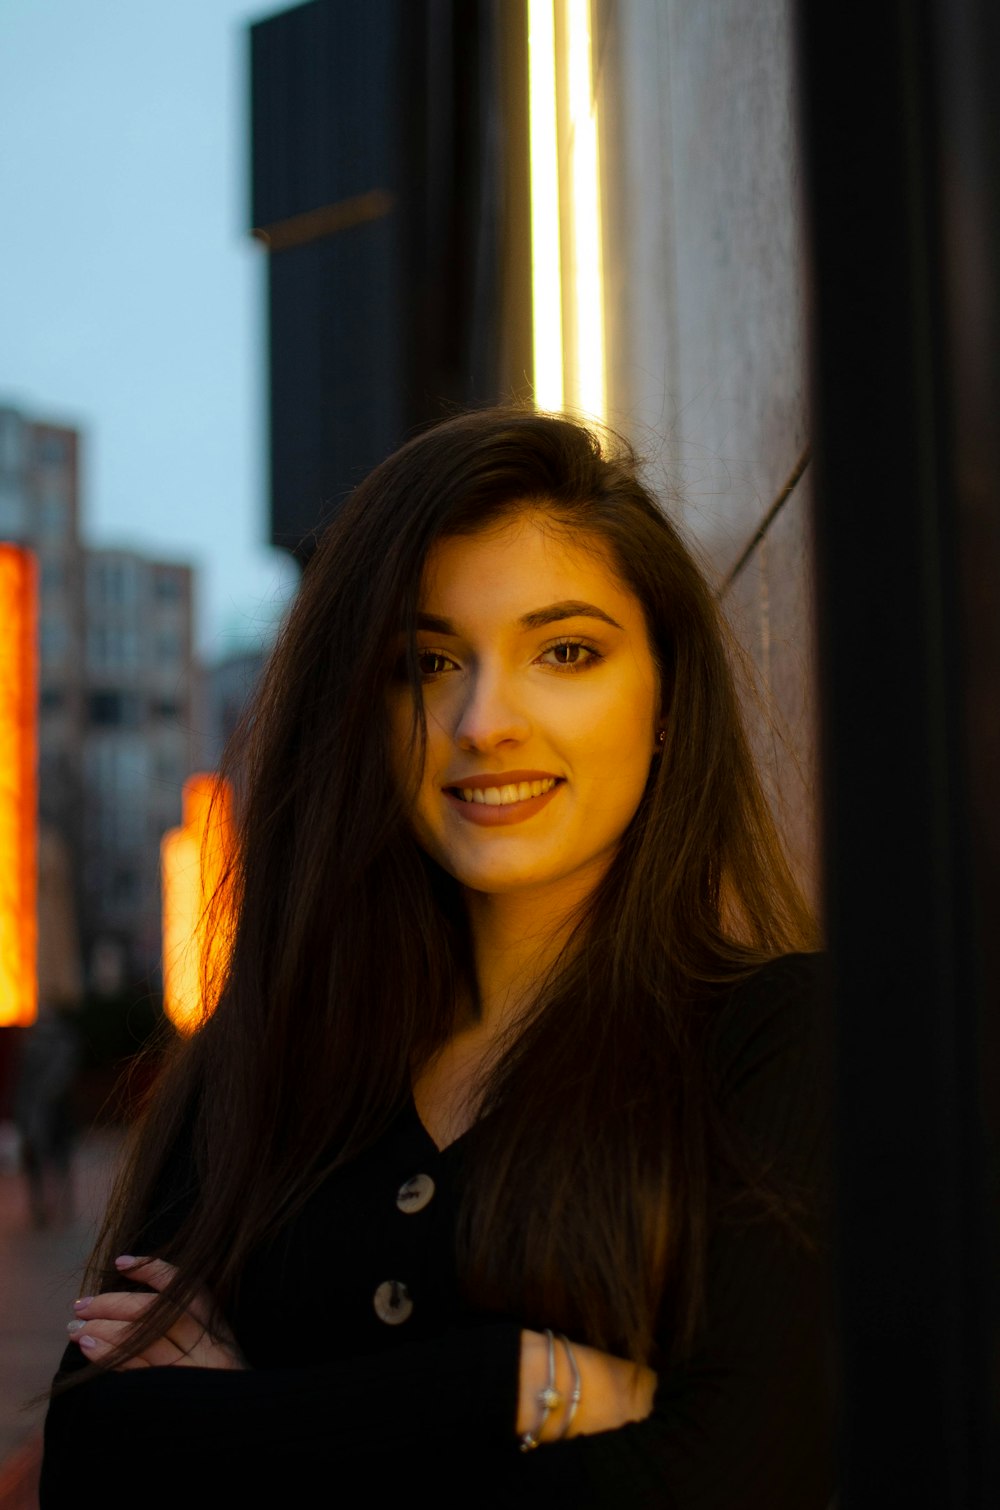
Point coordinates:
[(546, 274), (589, 388)]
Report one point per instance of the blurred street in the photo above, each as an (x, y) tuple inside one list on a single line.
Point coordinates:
[(39, 1279)]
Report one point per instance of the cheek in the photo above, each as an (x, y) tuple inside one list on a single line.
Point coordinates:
[(617, 771), (618, 736)]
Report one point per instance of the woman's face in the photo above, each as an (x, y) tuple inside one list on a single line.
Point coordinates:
[(541, 699)]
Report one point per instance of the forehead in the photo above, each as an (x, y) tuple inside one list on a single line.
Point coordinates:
[(529, 556)]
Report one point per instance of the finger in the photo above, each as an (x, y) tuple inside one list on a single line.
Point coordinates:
[(155, 1272), (115, 1320), (97, 1350), (158, 1274), (114, 1305), (98, 1339)]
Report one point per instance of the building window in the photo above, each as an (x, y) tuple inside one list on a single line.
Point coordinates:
[(169, 587), (113, 583), (53, 576), (52, 448), (53, 515), (11, 448), (114, 710), (168, 646), (52, 639), (13, 514), (112, 647)]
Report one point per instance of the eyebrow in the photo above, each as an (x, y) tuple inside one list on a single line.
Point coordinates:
[(569, 608)]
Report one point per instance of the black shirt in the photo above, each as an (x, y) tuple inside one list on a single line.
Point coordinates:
[(370, 1378)]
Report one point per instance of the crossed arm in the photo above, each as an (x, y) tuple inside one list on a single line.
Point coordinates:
[(747, 1421), (613, 1391)]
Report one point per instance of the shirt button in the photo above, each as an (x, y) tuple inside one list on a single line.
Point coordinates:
[(415, 1194), (392, 1302)]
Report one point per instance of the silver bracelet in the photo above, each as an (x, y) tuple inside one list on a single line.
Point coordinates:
[(577, 1390), (549, 1399)]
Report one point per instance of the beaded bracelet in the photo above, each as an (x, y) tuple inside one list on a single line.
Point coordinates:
[(577, 1390), (549, 1398)]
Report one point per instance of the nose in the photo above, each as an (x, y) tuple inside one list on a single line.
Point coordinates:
[(490, 714)]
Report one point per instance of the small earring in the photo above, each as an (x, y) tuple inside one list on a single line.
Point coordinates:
[(661, 736)]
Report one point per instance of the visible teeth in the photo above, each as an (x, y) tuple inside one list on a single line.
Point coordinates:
[(499, 796)]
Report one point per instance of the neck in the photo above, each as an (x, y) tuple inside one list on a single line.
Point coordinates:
[(516, 938)]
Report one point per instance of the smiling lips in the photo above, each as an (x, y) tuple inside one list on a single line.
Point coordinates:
[(510, 797)]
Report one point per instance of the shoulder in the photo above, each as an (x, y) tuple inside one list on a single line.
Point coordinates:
[(771, 1066), (781, 1009)]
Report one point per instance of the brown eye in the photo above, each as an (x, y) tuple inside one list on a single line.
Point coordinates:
[(574, 655), (432, 662), (568, 655)]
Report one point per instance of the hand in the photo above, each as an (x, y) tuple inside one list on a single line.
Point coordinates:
[(613, 1391), (103, 1323)]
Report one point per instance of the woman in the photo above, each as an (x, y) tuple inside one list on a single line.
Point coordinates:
[(508, 1129)]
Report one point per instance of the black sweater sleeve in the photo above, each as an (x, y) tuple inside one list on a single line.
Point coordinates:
[(198, 1437), (745, 1424)]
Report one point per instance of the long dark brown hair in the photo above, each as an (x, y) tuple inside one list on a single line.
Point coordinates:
[(593, 1158)]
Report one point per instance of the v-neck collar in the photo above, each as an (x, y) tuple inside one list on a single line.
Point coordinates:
[(442, 1150)]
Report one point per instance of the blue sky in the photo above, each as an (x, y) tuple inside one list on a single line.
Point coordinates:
[(132, 299)]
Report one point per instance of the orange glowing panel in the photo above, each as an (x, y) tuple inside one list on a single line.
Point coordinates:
[(197, 915), (18, 786)]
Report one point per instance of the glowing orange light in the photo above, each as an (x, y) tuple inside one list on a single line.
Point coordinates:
[(18, 786), (197, 916)]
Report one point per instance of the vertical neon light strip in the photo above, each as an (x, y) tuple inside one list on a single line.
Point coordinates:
[(588, 300), (18, 786), (197, 921), (180, 884), (546, 278)]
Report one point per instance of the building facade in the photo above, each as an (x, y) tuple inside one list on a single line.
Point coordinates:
[(40, 508), (141, 681), (117, 708)]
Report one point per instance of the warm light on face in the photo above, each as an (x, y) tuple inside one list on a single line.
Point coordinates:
[(197, 921), (18, 787), (566, 263), (540, 693)]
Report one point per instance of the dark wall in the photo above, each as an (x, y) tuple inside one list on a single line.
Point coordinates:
[(902, 138)]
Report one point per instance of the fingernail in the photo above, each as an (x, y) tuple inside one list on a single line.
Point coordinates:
[(87, 1342), (75, 1326), (84, 1300), (125, 1261)]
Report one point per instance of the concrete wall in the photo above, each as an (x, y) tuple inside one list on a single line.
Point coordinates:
[(707, 370)]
